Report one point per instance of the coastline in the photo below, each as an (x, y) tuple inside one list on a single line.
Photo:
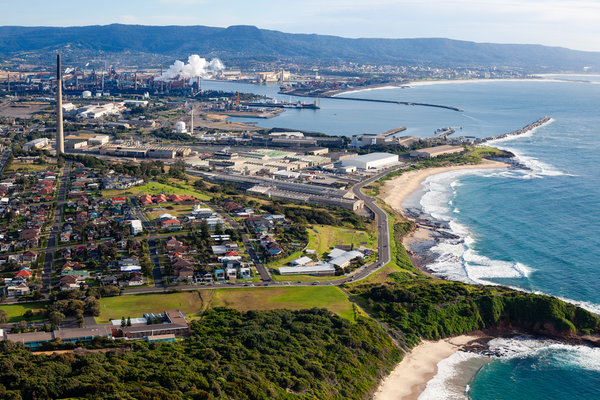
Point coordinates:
[(409, 378), (396, 190)]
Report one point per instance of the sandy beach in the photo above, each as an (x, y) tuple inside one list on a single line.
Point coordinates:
[(396, 190), (410, 377)]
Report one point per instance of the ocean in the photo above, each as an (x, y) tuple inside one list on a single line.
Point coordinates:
[(536, 229)]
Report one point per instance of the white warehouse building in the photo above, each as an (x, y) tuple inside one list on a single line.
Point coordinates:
[(371, 161)]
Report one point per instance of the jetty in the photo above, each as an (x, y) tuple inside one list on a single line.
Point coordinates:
[(406, 103), (518, 132)]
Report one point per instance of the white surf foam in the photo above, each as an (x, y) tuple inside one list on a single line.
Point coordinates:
[(548, 353), (441, 386), (455, 259)]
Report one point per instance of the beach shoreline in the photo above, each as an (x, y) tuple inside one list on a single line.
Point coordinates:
[(396, 190), (410, 377)]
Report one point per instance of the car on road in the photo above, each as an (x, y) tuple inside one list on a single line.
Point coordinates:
[(299, 281)]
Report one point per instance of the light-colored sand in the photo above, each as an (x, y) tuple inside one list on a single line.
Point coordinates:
[(408, 380), (396, 190)]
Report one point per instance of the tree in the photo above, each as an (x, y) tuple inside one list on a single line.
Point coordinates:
[(28, 314), (3, 317), (218, 229), (123, 322), (37, 295), (128, 321), (56, 317), (204, 229)]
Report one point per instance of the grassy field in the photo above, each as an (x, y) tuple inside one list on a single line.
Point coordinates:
[(322, 238), (135, 306), (192, 303), (16, 311), (24, 167), (293, 298), (155, 188)]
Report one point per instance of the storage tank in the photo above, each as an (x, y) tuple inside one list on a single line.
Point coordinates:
[(86, 93), (180, 127)]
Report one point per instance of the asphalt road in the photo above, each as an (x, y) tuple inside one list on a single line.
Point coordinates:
[(383, 246), (55, 230)]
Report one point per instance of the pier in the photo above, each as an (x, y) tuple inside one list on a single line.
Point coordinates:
[(518, 132), (406, 103), (391, 132)]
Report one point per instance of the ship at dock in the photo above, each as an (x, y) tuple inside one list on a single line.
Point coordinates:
[(283, 104)]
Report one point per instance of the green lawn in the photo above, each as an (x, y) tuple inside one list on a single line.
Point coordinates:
[(155, 188), (294, 298), (16, 311), (25, 167), (322, 238), (136, 305)]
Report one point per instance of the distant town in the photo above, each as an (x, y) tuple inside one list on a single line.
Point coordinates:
[(116, 183)]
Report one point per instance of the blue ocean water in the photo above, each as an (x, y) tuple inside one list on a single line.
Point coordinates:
[(535, 230)]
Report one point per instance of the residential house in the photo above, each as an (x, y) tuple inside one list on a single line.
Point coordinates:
[(184, 271), (21, 289), (136, 281), (28, 234), (171, 224), (220, 274), (173, 244), (29, 256)]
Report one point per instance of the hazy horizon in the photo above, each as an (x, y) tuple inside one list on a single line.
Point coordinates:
[(560, 23)]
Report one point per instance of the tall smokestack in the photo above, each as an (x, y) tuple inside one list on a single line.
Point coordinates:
[(192, 122), (136, 81), (8, 82), (161, 82), (198, 85), (103, 82), (60, 140)]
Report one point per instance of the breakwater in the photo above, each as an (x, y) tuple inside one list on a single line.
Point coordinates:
[(406, 103), (518, 132)]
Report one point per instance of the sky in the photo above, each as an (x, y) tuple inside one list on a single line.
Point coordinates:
[(566, 23)]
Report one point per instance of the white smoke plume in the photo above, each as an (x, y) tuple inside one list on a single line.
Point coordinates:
[(87, 64), (196, 66), (69, 70)]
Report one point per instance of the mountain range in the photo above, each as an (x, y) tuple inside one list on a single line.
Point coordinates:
[(253, 43)]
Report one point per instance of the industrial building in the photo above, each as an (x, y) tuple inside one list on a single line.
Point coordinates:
[(36, 144), (318, 269), (76, 143), (437, 151), (371, 161), (98, 140)]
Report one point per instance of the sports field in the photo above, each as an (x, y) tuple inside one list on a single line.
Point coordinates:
[(323, 238), (243, 299), (155, 188), (293, 298), (136, 305), (16, 311)]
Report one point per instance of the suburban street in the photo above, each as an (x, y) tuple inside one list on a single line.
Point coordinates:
[(55, 230), (383, 245)]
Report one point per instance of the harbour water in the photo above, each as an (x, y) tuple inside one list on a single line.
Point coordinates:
[(536, 230)]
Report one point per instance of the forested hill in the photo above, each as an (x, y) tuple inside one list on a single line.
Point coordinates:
[(251, 42)]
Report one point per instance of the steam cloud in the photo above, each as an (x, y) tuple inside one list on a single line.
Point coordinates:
[(195, 67), (69, 70)]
